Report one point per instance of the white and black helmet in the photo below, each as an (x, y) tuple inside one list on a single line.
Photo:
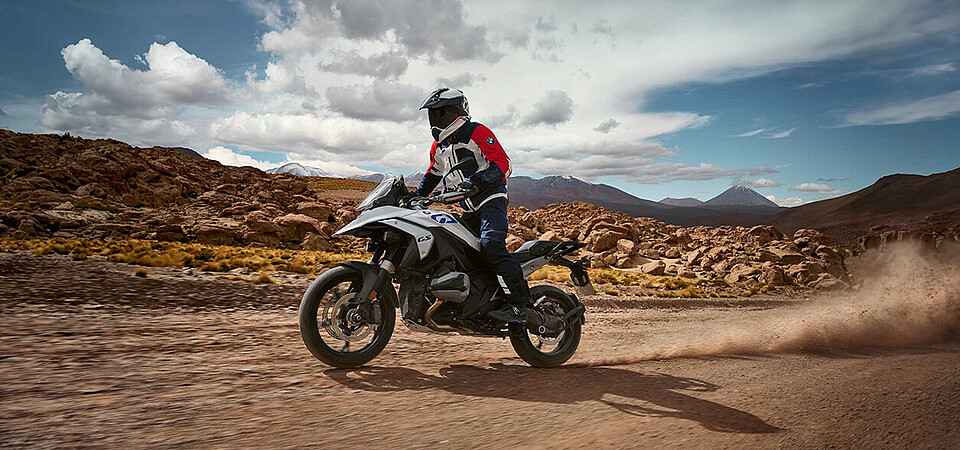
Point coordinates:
[(446, 97)]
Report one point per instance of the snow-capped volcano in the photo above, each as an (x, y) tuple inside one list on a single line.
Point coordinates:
[(300, 170), (740, 196)]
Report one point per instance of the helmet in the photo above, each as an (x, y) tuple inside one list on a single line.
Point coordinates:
[(447, 97)]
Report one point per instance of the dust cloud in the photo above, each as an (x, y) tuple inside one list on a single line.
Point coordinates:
[(907, 298)]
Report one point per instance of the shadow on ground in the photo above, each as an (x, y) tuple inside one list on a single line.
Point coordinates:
[(651, 395)]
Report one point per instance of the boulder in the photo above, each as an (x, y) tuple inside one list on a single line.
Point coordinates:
[(549, 236), (601, 240), (827, 282), (315, 241), (805, 271), (765, 233), (294, 227), (626, 247), (707, 263), (805, 238), (687, 273), (695, 256), (624, 261), (716, 253), (170, 232), (771, 274), (327, 228), (513, 242), (788, 256), (215, 234), (319, 211), (765, 255), (741, 272), (672, 253), (653, 268)]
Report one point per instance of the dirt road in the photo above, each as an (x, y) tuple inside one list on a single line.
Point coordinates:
[(91, 355)]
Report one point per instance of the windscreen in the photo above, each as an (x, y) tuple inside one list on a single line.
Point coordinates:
[(382, 189)]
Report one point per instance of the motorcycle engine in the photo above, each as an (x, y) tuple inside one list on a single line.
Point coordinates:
[(450, 286)]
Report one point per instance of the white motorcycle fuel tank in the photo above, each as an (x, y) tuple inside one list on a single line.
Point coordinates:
[(416, 223)]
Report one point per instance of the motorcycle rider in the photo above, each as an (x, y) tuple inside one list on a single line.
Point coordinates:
[(457, 138)]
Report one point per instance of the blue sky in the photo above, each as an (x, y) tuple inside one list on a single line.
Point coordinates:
[(803, 100)]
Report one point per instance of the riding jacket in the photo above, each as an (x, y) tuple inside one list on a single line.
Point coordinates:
[(488, 170)]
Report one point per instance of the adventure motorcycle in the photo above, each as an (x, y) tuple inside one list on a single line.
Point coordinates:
[(347, 314)]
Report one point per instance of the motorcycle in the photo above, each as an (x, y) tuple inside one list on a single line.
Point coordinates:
[(347, 315)]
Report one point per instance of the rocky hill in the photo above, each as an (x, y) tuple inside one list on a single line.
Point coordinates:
[(896, 207), (105, 189), (760, 254), (67, 186)]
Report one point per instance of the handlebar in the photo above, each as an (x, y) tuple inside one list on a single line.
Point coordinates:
[(446, 198)]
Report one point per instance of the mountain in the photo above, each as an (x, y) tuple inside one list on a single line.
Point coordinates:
[(300, 170), (928, 204), (535, 193), (687, 201), (740, 196), (412, 180), (187, 151)]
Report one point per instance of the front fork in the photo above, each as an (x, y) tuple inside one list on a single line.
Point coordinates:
[(376, 276)]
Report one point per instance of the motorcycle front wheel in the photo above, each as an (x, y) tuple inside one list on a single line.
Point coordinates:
[(539, 351), (331, 325)]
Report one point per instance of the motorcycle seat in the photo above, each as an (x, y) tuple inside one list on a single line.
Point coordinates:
[(534, 249)]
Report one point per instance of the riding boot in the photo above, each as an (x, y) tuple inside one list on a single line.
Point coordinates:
[(516, 299)]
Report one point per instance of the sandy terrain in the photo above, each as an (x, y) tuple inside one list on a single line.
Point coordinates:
[(91, 355)]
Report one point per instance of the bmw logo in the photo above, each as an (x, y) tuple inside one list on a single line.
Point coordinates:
[(490, 140)]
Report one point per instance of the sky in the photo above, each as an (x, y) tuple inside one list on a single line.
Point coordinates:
[(801, 100)]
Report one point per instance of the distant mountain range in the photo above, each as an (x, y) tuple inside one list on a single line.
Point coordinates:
[(535, 193), (738, 205), (686, 201)]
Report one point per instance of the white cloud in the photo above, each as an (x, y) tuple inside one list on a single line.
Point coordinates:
[(137, 105), (750, 133), (229, 157), (383, 100), (315, 99), (759, 183), (554, 108), (607, 125), (780, 135), (381, 65), (931, 108), (815, 187), (933, 70), (786, 202), (546, 25), (462, 80)]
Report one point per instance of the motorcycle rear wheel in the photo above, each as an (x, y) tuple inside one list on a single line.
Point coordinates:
[(566, 344), (329, 299)]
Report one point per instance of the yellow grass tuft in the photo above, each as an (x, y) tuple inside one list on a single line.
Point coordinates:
[(263, 278), (214, 258)]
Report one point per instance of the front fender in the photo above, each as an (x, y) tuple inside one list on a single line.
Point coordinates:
[(369, 273)]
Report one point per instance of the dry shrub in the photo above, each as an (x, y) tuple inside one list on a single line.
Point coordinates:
[(141, 272), (215, 258), (263, 278)]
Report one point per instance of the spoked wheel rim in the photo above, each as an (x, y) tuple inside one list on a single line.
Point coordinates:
[(339, 321)]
